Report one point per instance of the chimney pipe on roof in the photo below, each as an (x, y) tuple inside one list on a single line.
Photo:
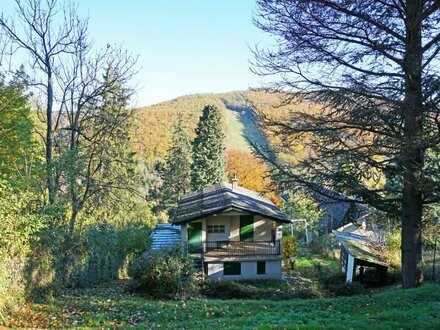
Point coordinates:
[(234, 181)]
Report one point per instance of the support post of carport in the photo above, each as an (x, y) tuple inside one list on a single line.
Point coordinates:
[(350, 269)]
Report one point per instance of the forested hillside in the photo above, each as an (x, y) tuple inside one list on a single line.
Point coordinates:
[(153, 132), (153, 129)]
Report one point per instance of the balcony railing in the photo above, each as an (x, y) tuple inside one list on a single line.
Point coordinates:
[(234, 248)]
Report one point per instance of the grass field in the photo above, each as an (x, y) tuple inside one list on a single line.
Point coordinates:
[(235, 132), (305, 263), (107, 308), (241, 129)]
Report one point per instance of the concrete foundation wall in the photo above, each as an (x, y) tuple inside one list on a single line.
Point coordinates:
[(248, 271)]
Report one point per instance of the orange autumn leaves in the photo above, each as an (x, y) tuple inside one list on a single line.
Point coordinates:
[(252, 173)]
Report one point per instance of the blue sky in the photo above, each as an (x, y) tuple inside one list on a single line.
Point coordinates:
[(184, 46)]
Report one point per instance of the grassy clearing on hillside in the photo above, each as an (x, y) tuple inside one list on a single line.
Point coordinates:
[(235, 132), (107, 308)]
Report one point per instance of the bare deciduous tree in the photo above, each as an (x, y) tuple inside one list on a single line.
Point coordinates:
[(48, 36), (97, 147), (85, 95), (75, 84)]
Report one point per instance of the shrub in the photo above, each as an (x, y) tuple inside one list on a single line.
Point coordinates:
[(331, 278), (19, 228), (290, 247), (310, 291), (105, 251), (349, 289), (392, 248), (325, 245), (228, 289), (166, 273), (394, 275)]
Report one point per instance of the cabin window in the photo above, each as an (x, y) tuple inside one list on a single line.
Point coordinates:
[(214, 229), (261, 267), (232, 268)]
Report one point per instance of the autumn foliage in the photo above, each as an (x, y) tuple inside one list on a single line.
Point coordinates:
[(252, 173)]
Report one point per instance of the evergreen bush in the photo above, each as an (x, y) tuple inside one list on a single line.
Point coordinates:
[(105, 252), (165, 274)]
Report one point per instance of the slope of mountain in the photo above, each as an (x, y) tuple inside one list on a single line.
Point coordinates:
[(154, 132), (154, 123)]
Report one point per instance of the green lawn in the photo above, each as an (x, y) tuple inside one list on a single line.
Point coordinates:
[(111, 308), (303, 263)]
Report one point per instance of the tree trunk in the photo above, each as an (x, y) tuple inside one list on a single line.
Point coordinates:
[(72, 221), (433, 260), (68, 258), (412, 150), (49, 141)]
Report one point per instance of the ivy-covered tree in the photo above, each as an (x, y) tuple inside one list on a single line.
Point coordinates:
[(177, 172), (99, 160), (17, 146), (208, 149)]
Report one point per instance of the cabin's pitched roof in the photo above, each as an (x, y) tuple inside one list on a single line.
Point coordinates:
[(221, 197)]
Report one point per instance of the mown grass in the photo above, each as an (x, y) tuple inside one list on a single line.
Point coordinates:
[(303, 263), (112, 308), (236, 138)]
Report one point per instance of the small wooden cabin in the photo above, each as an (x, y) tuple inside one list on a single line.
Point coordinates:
[(234, 232)]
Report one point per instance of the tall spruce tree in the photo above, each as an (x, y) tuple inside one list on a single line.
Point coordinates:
[(373, 67), (208, 149), (177, 173)]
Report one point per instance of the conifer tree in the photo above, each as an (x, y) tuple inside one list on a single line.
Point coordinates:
[(177, 173), (208, 149), (373, 68)]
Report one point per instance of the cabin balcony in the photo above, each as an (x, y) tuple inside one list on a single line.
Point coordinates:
[(241, 249)]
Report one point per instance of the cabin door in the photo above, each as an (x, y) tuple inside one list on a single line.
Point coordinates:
[(195, 237), (246, 228)]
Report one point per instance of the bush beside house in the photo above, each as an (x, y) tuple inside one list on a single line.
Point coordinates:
[(165, 273)]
